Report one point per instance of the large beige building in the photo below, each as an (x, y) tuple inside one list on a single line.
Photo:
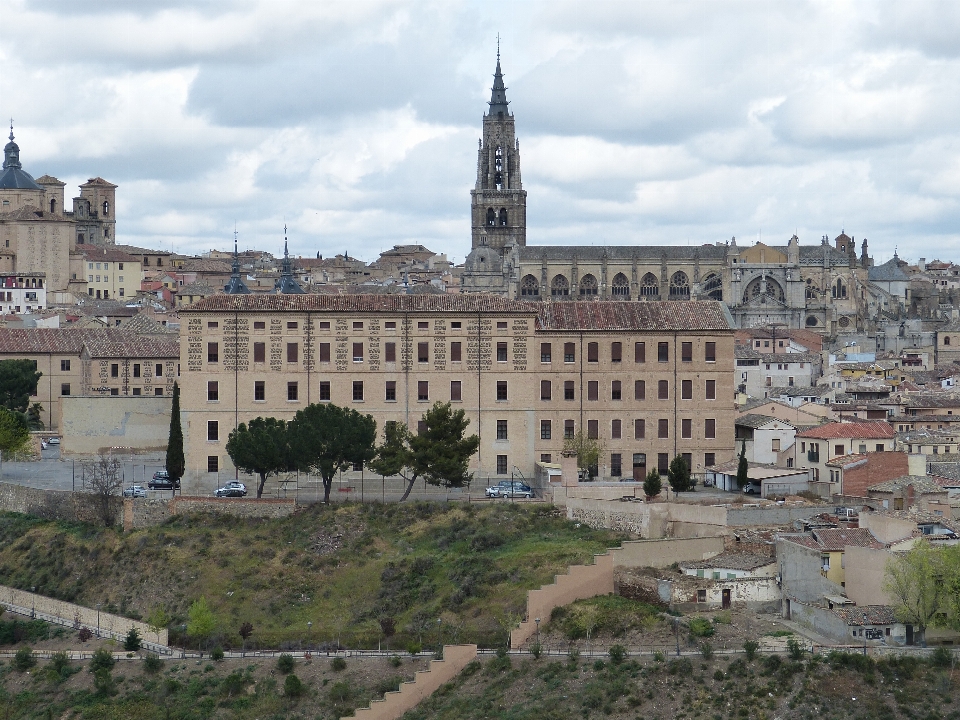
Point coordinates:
[(651, 380)]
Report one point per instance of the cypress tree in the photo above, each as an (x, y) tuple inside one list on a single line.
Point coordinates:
[(742, 467), (176, 463)]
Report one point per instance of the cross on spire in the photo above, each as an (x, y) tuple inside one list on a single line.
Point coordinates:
[(498, 53), (11, 126)]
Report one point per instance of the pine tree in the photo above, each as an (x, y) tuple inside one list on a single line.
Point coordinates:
[(743, 468), (176, 463)]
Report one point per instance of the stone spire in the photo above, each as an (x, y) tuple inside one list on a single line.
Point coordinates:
[(498, 96), (236, 286), (11, 152), (286, 284)]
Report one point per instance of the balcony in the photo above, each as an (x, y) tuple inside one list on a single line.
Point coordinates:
[(813, 457)]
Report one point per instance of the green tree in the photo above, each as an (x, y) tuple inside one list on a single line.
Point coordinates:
[(678, 474), (158, 619), (915, 582), (200, 620), (441, 452), (327, 439), (176, 462), (260, 448), (950, 563), (588, 451), (394, 456), (14, 434), (132, 642), (18, 381), (652, 484), (33, 417), (743, 468)]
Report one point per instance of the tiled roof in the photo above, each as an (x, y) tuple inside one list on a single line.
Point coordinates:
[(753, 420), (207, 266), (847, 461), (106, 253), (591, 253), (365, 303), (197, 288), (49, 180), (611, 315), (797, 391), (30, 213), (106, 342), (731, 561), (921, 484), (890, 271), (145, 325), (98, 181), (875, 615), (836, 539), (859, 430), (934, 400), (133, 249)]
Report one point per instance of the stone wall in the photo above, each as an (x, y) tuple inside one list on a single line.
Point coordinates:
[(137, 424), (237, 507), (50, 504), (772, 514), (664, 552), (424, 684)]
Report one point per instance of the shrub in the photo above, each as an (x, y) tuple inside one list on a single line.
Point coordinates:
[(772, 663), (103, 682), (617, 654), (60, 664), (132, 642), (396, 661), (701, 627), (341, 692), (795, 649), (718, 675), (285, 663), (293, 687), (658, 656), (941, 657), (414, 648), (750, 647), (24, 659), (84, 634), (216, 654), (499, 664), (706, 649), (102, 660), (338, 664), (152, 663), (723, 618), (536, 650)]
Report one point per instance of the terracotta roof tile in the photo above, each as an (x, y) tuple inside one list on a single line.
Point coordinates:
[(362, 303), (836, 539), (860, 430), (611, 315), (106, 342)]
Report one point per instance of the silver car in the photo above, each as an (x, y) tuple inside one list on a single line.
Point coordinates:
[(135, 491)]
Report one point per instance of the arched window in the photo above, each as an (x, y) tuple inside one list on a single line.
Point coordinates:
[(106, 208), (498, 176), (679, 285), (503, 217), (811, 321), (713, 286), (529, 287), (53, 206), (812, 290), (559, 287), (649, 286), (588, 285), (80, 239), (491, 217), (946, 340), (839, 290), (620, 288), (763, 289)]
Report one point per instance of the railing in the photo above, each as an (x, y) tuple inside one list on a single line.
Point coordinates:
[(813, 456)]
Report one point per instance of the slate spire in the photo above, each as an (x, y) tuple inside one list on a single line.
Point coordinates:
[(286, 284), (236, 286), (498, 96)]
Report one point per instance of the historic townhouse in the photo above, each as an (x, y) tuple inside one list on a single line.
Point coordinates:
[(650, 380)]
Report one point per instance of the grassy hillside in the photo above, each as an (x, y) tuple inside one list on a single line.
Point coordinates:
[(359, 573)]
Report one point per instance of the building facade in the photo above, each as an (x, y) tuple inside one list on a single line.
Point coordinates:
[(649, 380)]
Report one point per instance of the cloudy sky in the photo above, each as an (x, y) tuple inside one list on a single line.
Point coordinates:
[(356, 123)]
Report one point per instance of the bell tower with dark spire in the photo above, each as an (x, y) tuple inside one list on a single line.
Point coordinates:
[(498, 202)]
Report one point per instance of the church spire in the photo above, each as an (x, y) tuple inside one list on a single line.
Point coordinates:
[(498, 95), (11, 152), (286, 285), (236, 286)]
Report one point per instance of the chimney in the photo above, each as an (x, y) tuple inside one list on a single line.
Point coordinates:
[(922, 264), (916, 464), (569, 476)]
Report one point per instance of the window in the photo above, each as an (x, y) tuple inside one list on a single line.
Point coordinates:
[(213, 352), (545, 457), (324, 324), (686, 389), (663, 352), (501, 464), (616, 468), (593, 352), (838, 449), (358, 352), (616, 352), (324, 352), (615, 429), (358, 390), (64, 366), (593, 390), (423, 352), (593, 429), (358, 326), (423, 390), (213, 324), (568, 429), (710, 352), (501, 352), (663, 390), (545, 352), (639, 389), (686, 352), (615, 390), (456, 325), (640, 352), (663, 463), (501, 390), (137, 391), (569, 352), (455, 391), (423, 325), (546, 389), (391, 391), (213, 391), (259, 352), (545, 430), (261, 325), (389, 352), (136, 370), (292, 392), (293, 352), (663, 428), (711, 390), (325, 390), (65, 389), (686, 428), (639, 429), (389, 325), (879, 447), (213, 463), (260, 390), (710, 428), (456, 352), (114, 391), (501, 429), (213, 430), (709, 459), (158, 391), (114, 370), (568, 391), (775, 445)]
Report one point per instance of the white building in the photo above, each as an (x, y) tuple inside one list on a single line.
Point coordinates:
[(22, 293)]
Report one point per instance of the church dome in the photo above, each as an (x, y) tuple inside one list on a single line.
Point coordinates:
[(13, 176)]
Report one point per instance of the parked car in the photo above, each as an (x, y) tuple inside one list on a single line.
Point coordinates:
[(135, 491), (161, 481), (516, 489), (229, 492), (752, 488), (494, 490), (53, 441), (236, 485)]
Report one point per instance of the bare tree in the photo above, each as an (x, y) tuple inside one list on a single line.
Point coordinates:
[(104, 478)]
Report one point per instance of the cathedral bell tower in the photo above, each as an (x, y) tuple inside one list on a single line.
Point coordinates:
[(498, 202)]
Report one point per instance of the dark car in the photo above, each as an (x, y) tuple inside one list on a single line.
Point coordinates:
[(161, 481), (227, 491)]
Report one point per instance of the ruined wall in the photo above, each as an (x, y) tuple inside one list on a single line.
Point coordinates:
[(51, 504)]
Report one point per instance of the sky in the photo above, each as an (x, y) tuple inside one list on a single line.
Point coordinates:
[(355, 123)]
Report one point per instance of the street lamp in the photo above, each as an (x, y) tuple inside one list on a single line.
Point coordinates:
[(98, 619), (864, 633), (676, 632), (33, 611), (309, 632), (537, 621), (439, 636)]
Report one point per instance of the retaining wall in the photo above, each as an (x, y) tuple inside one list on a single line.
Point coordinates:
[(425, 683), (666, 551), (50, 504)]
